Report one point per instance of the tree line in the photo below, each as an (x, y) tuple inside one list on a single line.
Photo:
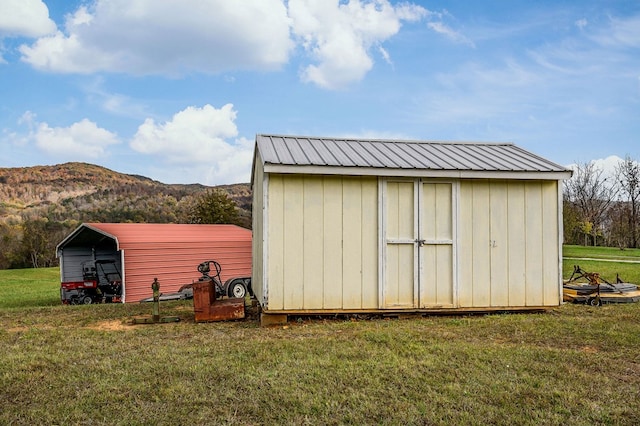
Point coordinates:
[(601, 208), (31, 240)]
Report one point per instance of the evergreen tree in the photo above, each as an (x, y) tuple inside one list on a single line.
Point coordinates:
[(214, 206)]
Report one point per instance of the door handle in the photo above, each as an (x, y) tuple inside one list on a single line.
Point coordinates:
[(421, 242)]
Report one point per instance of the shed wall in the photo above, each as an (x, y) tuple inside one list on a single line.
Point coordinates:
[(176, 264), (322, 243), (508, 243), (259, 211), (317, 243)]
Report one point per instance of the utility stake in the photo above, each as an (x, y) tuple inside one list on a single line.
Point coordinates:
[(155, 317), (155, 286)]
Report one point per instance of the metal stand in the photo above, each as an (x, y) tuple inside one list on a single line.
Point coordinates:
[(155, 317)]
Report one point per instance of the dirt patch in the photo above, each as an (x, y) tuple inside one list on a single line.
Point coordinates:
[(109, 326), (589, 349)]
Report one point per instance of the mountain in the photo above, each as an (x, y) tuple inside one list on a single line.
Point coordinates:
[(81, 192)]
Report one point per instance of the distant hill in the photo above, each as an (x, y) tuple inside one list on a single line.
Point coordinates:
[(81, 192)]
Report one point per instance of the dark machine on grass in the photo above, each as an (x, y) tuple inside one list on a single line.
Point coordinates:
[(592, 289), (101, 283)]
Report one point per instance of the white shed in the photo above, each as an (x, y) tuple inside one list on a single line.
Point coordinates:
[(354, 226)]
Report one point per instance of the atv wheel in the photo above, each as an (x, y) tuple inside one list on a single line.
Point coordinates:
[(237, 289)]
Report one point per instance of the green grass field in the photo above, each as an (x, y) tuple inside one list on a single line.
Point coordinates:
[(29, 287), (573, 365), (601, 252)]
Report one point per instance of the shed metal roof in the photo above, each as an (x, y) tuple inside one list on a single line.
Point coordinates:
[(304, 154)]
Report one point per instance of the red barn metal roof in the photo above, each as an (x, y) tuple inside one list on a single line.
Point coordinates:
[(169, 252)]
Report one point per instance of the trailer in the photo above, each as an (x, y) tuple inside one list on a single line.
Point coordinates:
[(592, 289)]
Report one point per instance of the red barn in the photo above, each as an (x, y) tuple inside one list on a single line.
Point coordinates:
[(144, 251)]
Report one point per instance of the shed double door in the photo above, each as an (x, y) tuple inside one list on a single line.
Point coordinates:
[(418, 244)]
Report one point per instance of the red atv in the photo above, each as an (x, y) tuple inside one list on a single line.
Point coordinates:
[(101, 283)]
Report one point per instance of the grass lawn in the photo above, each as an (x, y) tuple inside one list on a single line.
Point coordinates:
[(601, 252), (573, 365), (29, 287), (607, 267)]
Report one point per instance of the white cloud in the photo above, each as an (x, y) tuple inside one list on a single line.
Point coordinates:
[(174, 37), (198, 145), (581, 23), (169, 37), (621, 33), (81, 141), (114, 103), (340, 36), (450, 33), (25, 18), (608, 166)]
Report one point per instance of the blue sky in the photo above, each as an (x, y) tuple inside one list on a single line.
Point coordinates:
[(176, 90)]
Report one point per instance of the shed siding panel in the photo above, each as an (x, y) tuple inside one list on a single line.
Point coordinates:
[(322, 243), (444, 260), (369, 232), (481, 263), (352, 242), (332, 245), (258, 246), (437, 254), (293, 243), (498, 201), (399, 263), (313, 244), (465, 246), (508, 244), (276, 242), (550, 244), (517, 244), (534, 245)]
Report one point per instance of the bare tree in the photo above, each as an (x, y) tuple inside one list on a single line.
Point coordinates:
[(628, 176), (592, 193)]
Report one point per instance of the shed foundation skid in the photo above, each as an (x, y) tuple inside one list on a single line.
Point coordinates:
[(281, 317)]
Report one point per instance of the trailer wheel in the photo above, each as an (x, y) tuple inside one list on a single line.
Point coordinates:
[(595, 301), (237, 289)]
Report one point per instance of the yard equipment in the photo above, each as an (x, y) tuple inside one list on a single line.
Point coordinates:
[(208, 290), (101, 283), (597, 290), (233, 287), (236, 287)]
